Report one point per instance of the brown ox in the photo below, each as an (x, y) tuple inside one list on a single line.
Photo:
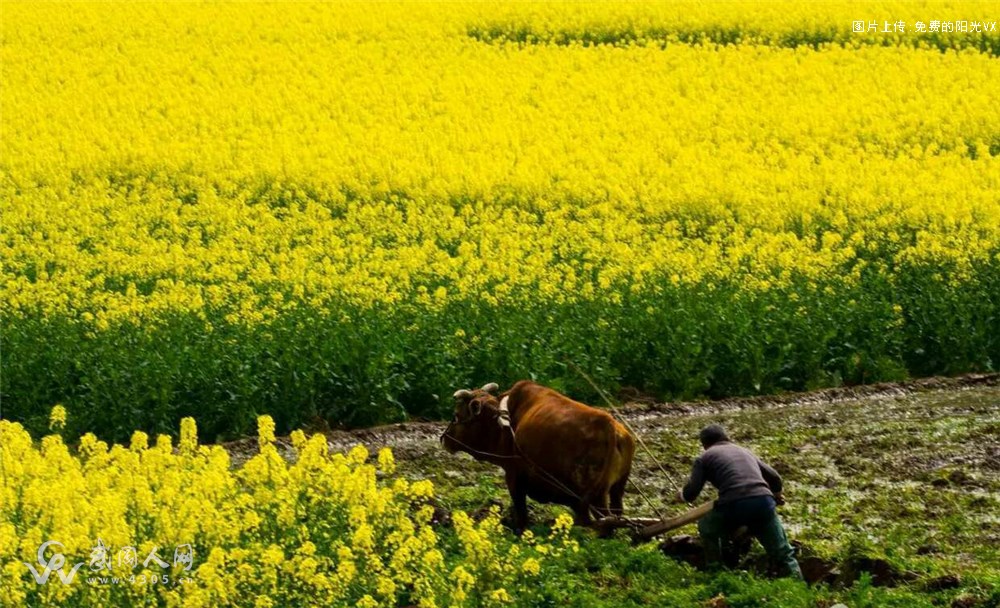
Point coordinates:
[(554, 449)]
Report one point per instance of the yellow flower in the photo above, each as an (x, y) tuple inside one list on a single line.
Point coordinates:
[(500, 595), (531, 566), (421, 489), (57, 418), (358, 454), (386, 588), (189, 436), (386, 462), (563, 524), (265, 430), (299, 440), (367, 601)]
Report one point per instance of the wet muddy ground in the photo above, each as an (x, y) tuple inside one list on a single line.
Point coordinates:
[(904, 473)]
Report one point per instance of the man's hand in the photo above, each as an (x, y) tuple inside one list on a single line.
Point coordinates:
[(779, 498), (680, 496)]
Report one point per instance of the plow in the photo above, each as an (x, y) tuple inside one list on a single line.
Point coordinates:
[(644, 529)]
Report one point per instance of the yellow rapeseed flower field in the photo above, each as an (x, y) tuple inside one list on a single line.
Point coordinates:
[(339, 212), (374, 203), (328, 530)]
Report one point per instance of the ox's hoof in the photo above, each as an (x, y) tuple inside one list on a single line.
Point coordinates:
[(516, 524)]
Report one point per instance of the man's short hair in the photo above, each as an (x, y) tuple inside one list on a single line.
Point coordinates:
[(711, 435)]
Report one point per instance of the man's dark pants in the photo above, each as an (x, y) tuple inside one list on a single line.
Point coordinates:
[(758, 514)]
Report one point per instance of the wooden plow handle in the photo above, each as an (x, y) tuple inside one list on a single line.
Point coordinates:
[(673, 523)]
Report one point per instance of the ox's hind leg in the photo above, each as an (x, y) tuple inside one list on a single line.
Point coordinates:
[(617, 489), (592, 505), (603, 511), (617, 494)]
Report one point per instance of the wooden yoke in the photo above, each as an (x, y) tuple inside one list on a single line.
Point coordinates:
[(667, 525)]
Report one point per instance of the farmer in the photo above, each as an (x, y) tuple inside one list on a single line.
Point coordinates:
[(749, 490)]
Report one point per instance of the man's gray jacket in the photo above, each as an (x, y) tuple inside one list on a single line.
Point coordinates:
[(735, 471)]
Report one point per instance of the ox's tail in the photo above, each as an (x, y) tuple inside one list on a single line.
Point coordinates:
[(624, 452)]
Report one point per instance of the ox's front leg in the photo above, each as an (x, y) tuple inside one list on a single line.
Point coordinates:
[(518, 489)]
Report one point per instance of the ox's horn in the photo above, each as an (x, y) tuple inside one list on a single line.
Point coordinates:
[(492, 387), (463, 393)]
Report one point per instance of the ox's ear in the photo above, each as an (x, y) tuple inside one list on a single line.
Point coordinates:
[(476, 407), (491, 388)]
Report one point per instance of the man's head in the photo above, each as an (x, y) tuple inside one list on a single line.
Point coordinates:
[(711, 435)]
